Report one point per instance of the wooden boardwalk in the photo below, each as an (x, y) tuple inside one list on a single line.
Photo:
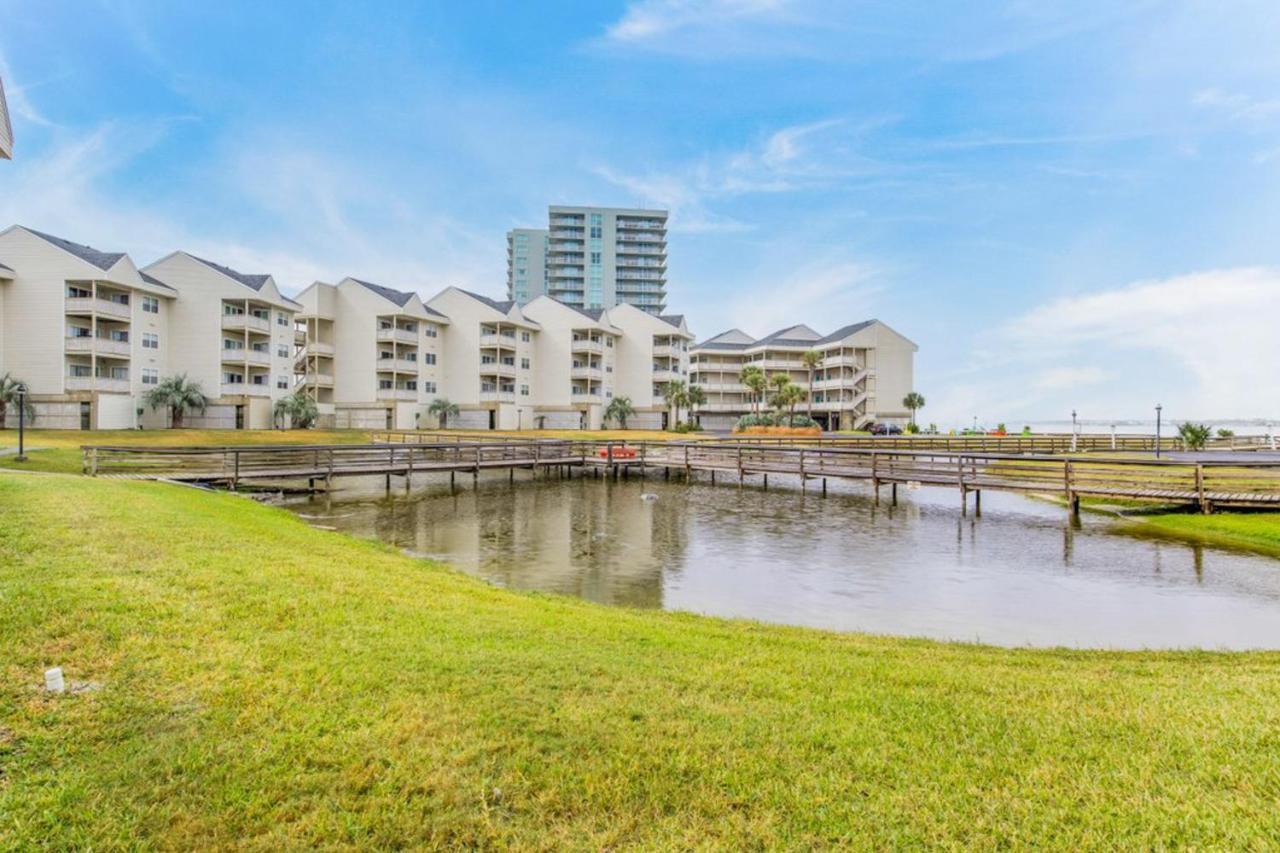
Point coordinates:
[(1249, 482)]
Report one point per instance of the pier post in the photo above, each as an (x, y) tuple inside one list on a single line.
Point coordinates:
[(766, 482), (713, 476), (964, 501), (893, 492), (824, 487), (977, 502)]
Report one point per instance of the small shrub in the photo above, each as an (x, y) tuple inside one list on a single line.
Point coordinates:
[(1226, 433), (1194, 436), (687, 427), (912, 429)]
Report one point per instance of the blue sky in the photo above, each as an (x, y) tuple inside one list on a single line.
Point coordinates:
[(1071, 205)]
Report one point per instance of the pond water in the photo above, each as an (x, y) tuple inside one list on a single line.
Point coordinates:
[(1021, 574)]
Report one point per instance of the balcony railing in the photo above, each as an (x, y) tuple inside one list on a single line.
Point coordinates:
[(318, 348), (397, 394), (586, 373), (400, 364), (497, 368), (101, 346), (245, 389), (322, 380), (496, 340), (87, 304), (97, 383), (258, 357), (403, 336), (497, 396), (586, 345), (246, 321), (585, 396)]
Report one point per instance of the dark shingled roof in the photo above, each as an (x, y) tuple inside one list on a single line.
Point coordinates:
[(399, 297), (503, 306), (253, 282), (845, 331), (101, 260), (672, 319), (150, 279), (3, 267)]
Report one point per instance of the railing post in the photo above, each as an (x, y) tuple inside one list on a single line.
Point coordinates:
[(1204, 506), (235, 469)]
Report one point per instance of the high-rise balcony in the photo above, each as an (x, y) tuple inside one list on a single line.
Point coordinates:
[(245, 322), (586, 373), (586, 345), (318, 349), (98, 383), (396, 334), (397, 394), (497, 368), (401, 365), (262, 358), (104, 307), (496, 396)]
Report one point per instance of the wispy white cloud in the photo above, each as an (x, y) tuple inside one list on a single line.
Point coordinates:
[(1237, 105), (652, 19)]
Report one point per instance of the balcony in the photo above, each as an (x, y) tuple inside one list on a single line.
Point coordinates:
[(663, 374), (402, 365), (588, 346), (567, 234), (586, 373), (581, 395), (397, 335), (245, 389), (246, 322), (654, 239), (98, 383), (641, 224), (262, 358), (318, 348), (100, 346), (666, 351), (320, 380), (104, 307), (497, 368), (498, 396), (840, 361), (397, 394), (496, 340)]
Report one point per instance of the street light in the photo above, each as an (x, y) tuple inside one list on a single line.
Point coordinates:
[(22, 423), (1073, 422), (1159, 410)]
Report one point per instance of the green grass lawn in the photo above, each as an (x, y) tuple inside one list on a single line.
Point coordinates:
[(1254, 531), (264, 684)]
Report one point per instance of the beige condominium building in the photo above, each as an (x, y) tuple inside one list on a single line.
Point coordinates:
[(233, 334), (576, 366), (6, 129), (652, 351), (592, 258), (490, 359), (865, 371), (370, 356), (84, 331)]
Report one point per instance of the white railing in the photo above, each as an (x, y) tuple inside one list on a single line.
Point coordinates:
[(585, 345), (403, 336), (319, 379), (585, 373), (83, 304), (397, 394), (497, 368), (317, 348), (497, 396), (97, 383), (401, 364), (246, 321), (102, 346), (258, 357)]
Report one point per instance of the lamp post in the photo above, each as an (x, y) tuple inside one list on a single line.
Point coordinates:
[(1073, 422), (1159, 409), (22, 424)]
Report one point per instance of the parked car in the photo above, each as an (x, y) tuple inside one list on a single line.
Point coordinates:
[(886, 429)]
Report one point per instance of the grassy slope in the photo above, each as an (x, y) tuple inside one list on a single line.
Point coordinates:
[(267, 683), (1255, 531)]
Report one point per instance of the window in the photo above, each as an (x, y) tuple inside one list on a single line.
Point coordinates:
[(120, 298), (151, 305), (79, 332), (524, 364), (282, 383), (150, 340), (230, 378), (384, 384), (74, 292), (232, 343), (232, 310), (411, 385), (595, 257), (150, 376), (81, 370), (430, 357), (282, 351), (430, 387), (412, 356), (260, 379), (608, 342), (282, 319), (524, 336), (430, 330), (524, 390)]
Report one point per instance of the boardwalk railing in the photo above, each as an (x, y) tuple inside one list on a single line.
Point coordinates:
[(1244, 482), (1043, 443)]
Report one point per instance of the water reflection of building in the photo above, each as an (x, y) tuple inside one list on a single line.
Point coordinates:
[(597, 540)]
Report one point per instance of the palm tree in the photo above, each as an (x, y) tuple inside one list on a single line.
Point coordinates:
[(913, 402), (443, 409), (300, 410), (780, 382), (675, 393), (179, 395), (618, 410), (754, 378), (791, 395), (9, 397), (811, 358), (695, 397)]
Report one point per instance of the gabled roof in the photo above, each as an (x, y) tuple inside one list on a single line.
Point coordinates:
[(732, 339), (503, 306), (672, 319), (399, 297), (845, 331), (152, 280), (791, 336), (102, 260), (253, 282)]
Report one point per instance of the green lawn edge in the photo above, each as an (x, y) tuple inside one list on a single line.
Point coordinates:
[(256, 682)]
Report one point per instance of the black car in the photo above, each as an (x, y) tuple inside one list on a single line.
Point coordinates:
[(886, 429)]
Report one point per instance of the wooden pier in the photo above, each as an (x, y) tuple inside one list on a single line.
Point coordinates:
[(1249, 482)]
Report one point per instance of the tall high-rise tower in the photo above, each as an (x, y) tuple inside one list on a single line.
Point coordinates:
[(526, 264), (6, 129), (600, 257)]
